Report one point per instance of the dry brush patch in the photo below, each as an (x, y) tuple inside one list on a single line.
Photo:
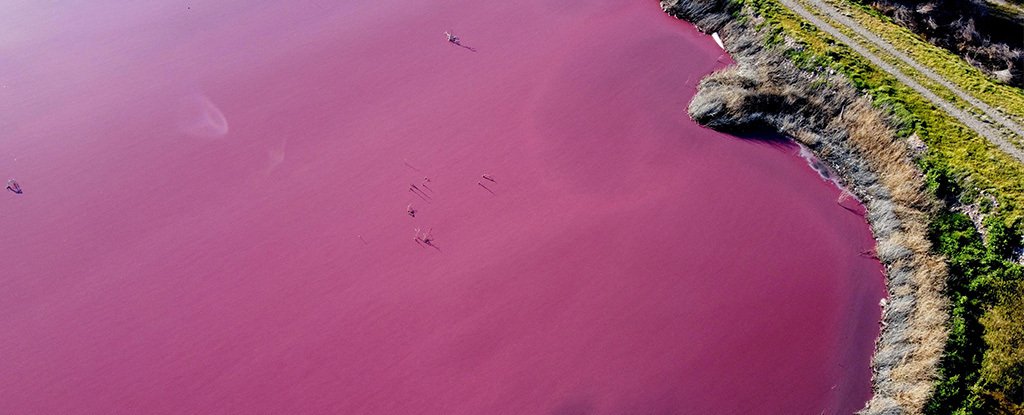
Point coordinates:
[(826, 114)]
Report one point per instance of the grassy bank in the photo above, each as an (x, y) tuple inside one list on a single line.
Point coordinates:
[(975, 181), (843, 128), (975, 224)]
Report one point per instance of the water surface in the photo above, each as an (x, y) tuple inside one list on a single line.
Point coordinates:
[(214, 217)]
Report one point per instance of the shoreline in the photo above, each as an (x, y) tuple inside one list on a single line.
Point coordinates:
[(841, 128)]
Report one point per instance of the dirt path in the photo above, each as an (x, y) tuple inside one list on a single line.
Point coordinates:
[(979, 126)]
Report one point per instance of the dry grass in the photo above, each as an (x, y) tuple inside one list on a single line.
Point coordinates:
[(909, 382)]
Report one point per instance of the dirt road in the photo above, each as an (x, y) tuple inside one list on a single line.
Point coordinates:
[(981, 127)]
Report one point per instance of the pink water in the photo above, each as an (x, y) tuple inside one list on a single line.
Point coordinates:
[(214, 217)]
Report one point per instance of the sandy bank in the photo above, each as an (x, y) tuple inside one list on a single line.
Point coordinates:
[(825, 113)]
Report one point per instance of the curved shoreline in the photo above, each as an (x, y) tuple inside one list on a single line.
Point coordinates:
[(826, 114)]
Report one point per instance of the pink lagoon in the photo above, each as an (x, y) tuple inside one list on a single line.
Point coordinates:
[(280, 207)]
